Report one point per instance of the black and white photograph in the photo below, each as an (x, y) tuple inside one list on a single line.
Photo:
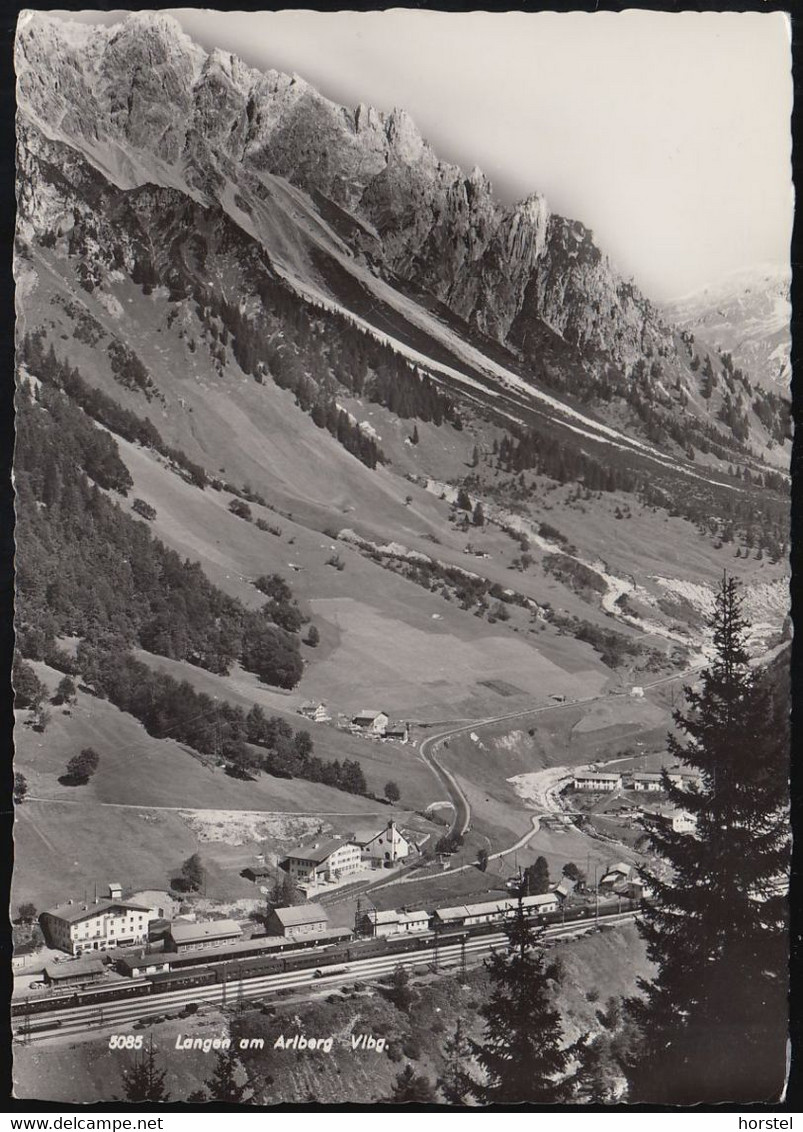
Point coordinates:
[(402, 583)]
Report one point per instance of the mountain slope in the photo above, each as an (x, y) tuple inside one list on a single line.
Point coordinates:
[(354, 209), (746, 314)]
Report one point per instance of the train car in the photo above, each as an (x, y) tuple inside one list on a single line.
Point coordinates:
[(318, 959), (37, 1028), (43, 1004), (167, 981), (256, 966), (131, 988)]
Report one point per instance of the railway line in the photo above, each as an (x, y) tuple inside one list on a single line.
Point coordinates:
[(86, 1022)]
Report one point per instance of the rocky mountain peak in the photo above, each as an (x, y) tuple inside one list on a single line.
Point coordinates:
[(143, 92)]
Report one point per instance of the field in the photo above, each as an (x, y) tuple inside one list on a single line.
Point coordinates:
[(396, 642), (152, 803)]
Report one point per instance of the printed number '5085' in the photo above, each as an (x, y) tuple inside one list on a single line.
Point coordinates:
[(125, 1041)]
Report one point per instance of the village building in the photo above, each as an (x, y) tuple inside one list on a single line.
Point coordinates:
[(649, 781), (400, 732), (637, 890), (75, 972), (323, 861), (372, 722), (79, 927), (257, 873), (596, 780), (298, 922), (182, 936), (683, 779), (162, 905), (314, 710), (137, 966), (494, 911), (385, 846), (381, 924), (564, 889), (676, 820), (617, 875)]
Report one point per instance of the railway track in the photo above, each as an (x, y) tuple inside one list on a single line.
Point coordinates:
[(86, 1022)]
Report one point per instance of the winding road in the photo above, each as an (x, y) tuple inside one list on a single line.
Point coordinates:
[(461, 822)]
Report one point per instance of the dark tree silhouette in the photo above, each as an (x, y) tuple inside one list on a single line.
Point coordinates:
[(521, 1052), (193, 872), (20, 787), (714, 1020), (81, 767), (536, 878), (412, 1087), (222, 1085), (145, 1081), (455, 1082), (392, 792)]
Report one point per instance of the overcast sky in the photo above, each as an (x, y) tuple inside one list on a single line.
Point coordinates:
[(668, 135)]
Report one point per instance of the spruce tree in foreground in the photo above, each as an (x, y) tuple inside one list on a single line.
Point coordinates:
[(411, 1087), (714, 1020), (455, 1082), (521, 1053), (145, 1082), (222, 1085)]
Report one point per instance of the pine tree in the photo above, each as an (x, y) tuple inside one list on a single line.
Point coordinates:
[(536, 878), (521, 1052), (145, 1082), (714, 1019), (409, 1086), (456, 1082), (222, 1085)]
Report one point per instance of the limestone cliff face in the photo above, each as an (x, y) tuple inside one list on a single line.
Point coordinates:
[(147, 104)]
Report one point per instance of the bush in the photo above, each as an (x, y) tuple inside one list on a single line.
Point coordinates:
[(144, 509), (81, 767), (241, 510)]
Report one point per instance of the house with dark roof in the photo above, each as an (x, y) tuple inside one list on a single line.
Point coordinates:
[(256, 873), (565, 888), (297, 922), (372, 721), (74, 972)]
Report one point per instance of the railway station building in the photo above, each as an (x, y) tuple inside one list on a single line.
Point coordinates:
[(392, 922), (210, 933), (74, 972), (299, 922)]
